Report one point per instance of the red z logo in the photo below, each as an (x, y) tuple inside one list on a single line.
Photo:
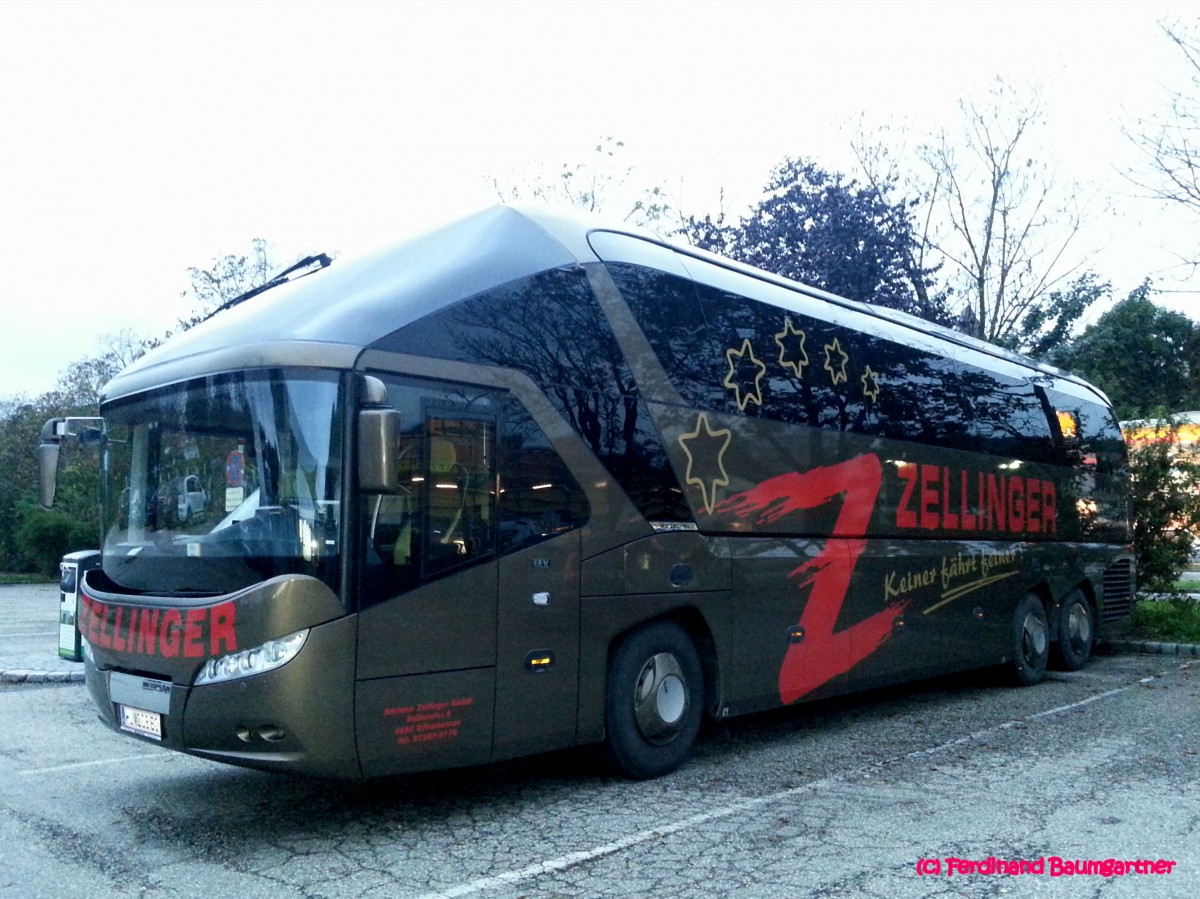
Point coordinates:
[(824, 654)]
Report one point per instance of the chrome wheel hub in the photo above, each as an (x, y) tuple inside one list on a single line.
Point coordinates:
[(1036, 639), (1079, 626), (660, 699)]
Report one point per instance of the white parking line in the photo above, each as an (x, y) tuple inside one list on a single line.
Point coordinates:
[(93, 764), (582, 857), (34, 634)]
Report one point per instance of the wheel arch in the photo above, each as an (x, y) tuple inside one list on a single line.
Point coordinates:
[(608, 620), (1043, 592)]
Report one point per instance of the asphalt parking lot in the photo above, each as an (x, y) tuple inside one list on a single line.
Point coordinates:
[(926, 790)]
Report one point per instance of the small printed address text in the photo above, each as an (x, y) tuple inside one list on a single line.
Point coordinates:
[(428, 722)]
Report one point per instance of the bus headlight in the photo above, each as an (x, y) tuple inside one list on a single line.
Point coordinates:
[(255, 660)]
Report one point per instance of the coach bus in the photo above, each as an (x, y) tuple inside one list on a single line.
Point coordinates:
[(530, 482)]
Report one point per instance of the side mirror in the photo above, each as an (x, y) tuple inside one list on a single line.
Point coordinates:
[(52, 437), (88, 431), (378, 439), (378, 461), (47, 474)]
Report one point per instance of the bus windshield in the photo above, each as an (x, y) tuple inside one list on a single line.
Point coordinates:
[(219, 483)]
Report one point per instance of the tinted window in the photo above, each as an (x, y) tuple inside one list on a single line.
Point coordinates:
[(478, 479), (551, 328), (728, 353), (1096, 442)]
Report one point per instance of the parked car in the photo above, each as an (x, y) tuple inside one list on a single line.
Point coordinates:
[(191, 498)]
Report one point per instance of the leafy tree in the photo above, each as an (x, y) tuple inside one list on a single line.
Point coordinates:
[(1165, 507), (80, 384), (20, 424), (28, 534), (44, 537), (819, 228), (1047, 323), (1145, 357), (33, 539)]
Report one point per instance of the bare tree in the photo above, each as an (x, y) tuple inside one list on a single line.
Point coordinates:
[(1006, 223), (79, 384), (230, 276), (897, 187), (598, 185), (124, 347), (1169, 140)]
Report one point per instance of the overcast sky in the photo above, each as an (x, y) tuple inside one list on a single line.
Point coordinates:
[(140, 138)]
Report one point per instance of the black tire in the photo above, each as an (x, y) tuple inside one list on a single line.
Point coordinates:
[(654, 701), (1030, 641), (1076, 631)]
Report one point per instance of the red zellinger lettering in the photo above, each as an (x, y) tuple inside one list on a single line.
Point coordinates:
[(934, 497), (171, 633)]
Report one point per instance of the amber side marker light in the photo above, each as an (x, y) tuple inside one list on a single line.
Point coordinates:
[(541, 660)]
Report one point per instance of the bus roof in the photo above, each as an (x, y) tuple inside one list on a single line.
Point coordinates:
[(332, 316)]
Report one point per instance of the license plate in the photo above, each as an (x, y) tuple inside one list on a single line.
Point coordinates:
[(139, 721)]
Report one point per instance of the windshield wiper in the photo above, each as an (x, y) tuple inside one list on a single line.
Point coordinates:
[(305, 266)]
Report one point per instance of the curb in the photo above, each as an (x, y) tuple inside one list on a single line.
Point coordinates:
[(27, 676), (1153, 648)]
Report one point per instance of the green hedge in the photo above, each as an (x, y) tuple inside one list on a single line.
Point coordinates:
[(43, 538), (1175, 620)]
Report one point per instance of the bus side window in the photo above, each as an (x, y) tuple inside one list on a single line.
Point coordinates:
[(539, 498), (448, 485), (459, 487), (390, 558), (477, 477)]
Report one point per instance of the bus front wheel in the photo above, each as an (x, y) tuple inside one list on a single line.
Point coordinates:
[(1031, 641), (1076, 631), (654, 701)]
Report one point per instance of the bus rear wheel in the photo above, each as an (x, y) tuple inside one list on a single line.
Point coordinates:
[(1030, 641), (654, 701), (1076, 631)]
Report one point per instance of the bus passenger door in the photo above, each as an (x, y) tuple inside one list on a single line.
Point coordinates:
[(541, 511), (428, 587), (537, 653)]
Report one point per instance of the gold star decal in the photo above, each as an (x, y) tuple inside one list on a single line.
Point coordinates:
[(791, 348), (870, 383), (705, 450), (746, 370), (837, 370)]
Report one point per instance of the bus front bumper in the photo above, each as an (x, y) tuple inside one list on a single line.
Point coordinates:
[(298, 718)]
